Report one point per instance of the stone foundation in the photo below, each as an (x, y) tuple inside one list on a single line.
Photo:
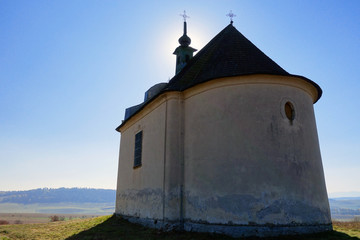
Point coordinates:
[(267, 230)]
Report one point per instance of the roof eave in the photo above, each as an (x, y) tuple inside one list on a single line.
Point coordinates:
[(319, 92), (318, 88)]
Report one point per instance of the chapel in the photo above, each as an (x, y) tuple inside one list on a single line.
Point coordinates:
[(228, 145)]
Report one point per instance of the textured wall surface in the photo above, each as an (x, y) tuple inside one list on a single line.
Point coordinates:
[(246, 162), (140, 190), (223, 156)]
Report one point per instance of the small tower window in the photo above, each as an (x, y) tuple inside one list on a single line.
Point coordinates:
[(289, 111), (138, 149)]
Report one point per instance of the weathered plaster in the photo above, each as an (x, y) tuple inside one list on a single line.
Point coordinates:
[(223, 156)]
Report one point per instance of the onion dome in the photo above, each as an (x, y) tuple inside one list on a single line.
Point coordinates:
[(184, 40)]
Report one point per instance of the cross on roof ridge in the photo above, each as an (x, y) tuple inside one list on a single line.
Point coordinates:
[(231, 15), (184, 16)]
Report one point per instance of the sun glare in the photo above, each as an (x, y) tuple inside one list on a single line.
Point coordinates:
[(169, 35)]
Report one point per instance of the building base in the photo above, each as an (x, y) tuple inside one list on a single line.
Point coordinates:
[(267, 230)]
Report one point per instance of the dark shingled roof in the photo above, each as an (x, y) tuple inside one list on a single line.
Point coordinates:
[(228, 54)]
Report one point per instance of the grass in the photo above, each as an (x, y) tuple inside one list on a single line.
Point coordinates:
[(53, 230), (349, 228), (110, 227)]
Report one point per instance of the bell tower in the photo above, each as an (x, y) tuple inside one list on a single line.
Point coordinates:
[(183, 53)]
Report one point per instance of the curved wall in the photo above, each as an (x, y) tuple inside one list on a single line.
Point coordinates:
[(226, 156), (246, 163)]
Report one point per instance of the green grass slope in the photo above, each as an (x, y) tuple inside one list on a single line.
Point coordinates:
[(110, 227)]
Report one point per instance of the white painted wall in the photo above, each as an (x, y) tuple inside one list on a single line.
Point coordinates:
[(229, 146), (140, 190), (245, 162)]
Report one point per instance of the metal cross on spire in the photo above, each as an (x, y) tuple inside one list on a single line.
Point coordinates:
[(231, 15), (184, 16)]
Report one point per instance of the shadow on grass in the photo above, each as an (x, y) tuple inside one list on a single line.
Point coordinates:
[(117, 228)]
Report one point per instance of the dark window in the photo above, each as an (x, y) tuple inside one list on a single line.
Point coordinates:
[(289, 111), (138, 149)]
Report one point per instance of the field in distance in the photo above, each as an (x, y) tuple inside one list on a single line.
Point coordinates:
[(28, 218), (85, 201), (102, 202), (111, 227), (60, 208)]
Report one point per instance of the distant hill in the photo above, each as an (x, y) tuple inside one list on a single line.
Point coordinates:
[(345, 208), (102, 201), (343, 194), (59, 195), (345, 202)]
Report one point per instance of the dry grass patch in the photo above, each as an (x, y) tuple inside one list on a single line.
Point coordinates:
[(350, 228), (53, 230)]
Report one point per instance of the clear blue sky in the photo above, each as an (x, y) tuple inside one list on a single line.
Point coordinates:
[(68, 70)]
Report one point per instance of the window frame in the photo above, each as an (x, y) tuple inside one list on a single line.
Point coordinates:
[(138, 149)]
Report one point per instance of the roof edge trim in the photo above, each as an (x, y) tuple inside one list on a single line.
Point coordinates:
[(319, 92)]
